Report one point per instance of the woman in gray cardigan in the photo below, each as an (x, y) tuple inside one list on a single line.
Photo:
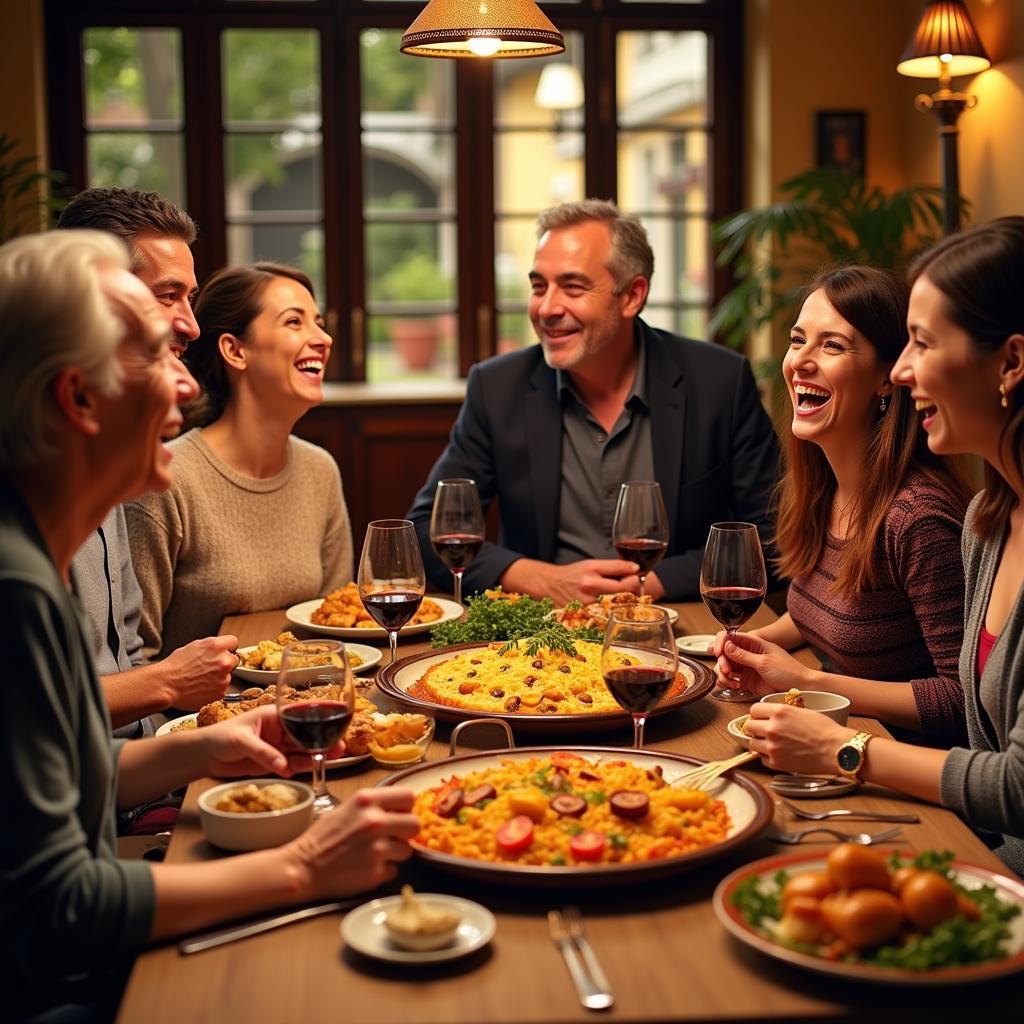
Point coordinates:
[(964, 366)]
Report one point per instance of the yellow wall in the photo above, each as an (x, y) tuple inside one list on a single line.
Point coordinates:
[(22, 88)]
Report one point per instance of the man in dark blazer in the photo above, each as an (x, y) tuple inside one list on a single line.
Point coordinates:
[(552, 431)]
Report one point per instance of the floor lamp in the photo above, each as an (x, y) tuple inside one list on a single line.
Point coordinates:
[(944, 46)]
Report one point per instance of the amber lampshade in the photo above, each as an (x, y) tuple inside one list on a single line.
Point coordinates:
[(944, 36), (482, 28)]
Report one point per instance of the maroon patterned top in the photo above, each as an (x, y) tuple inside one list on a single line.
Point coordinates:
[(909, 626)]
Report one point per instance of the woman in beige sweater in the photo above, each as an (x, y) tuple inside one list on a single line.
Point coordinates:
[(256, 518)]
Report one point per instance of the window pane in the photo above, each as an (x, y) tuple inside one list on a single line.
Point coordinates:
[(534, 170), (690, 323), (681, 249), (515, 239), (142, 160), (662, 171), (408, 171), (406, 347), (411, 265), (514, 332), (541, 91), (301, 245), (272, 75), (662, 78), (277, 172), (393, 83), (132, 77)]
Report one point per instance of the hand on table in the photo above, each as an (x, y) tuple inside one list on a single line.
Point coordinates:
[(757, 665), (199, 672), (794, 739), (357, 846), (585, 579)]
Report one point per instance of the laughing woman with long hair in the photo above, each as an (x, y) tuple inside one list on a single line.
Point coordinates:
[(869, 521)]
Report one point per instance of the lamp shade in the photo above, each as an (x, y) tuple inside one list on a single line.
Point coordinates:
[(482, 28), (559, 87), (946, 37)]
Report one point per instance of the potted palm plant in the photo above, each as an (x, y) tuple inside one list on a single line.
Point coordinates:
[(826, 217)]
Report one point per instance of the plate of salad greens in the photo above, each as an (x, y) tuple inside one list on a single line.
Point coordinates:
[(940, 921), (496, 615)]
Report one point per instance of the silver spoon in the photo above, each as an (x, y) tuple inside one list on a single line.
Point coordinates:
[(859, 838), (849, 815)]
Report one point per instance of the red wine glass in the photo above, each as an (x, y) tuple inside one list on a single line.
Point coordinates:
[(391, 578), (732, 583), (640, 527), (315, 701), (639, 661), (457, 526)]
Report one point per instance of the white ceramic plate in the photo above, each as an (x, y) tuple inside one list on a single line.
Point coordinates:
[(347, 762), (299, 615), (750, 812), (696, 645), (169, 727), (363, 930), (971, 877), (262, 677)]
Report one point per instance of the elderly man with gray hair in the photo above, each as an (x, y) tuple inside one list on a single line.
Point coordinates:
[(552, 432)]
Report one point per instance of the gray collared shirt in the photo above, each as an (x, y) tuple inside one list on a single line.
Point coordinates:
[(596, 463)]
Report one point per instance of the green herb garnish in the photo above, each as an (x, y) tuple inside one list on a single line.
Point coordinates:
[(553, 637), (488, 619)]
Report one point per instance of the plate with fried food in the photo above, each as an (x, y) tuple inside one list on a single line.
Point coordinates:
[(177, 725), (579, 614), (260, 663), (861, 914), (342, 614)]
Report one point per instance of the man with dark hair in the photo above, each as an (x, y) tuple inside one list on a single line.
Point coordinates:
[(552, 431), (158, 236)]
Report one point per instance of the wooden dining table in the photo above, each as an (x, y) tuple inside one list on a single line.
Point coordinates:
[(665, 954)]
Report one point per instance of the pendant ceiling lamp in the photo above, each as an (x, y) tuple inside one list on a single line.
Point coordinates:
[(482, 28)]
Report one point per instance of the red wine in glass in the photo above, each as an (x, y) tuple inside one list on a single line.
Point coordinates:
[(457, 527), (732, 583), (640, 527), (391, 577), (732, 606), (638, 688), (457, 550), (638, 661), (392, 609), (645, 552), (316, 724)]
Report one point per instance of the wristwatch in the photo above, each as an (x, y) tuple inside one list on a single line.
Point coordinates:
[(850, 756)]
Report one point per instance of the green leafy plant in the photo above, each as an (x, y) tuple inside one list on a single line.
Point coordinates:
[(827, 217), (21, 196)]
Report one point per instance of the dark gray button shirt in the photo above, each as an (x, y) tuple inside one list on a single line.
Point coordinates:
[(594, 464)]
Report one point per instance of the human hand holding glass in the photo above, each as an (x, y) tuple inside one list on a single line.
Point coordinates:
[(316, 699), (457, 526), (644, 635), (640, 527), (732, 583), (391, 577)]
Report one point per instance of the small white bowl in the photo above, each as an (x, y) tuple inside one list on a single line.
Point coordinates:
[(404, 754), (735, 730), (830, 704), (254, 830)]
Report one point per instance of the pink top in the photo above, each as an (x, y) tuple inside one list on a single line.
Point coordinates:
[(986, 641)]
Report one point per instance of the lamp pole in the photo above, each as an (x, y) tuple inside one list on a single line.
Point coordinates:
[(948, 105)]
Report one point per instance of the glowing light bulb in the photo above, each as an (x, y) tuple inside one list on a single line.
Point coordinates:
[(946, 58), (483, 46)]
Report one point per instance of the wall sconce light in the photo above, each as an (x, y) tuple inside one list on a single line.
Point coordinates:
[(482, 28), (944, 46), (559, 88)]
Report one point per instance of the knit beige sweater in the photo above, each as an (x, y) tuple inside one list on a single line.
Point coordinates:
[(219, 543)]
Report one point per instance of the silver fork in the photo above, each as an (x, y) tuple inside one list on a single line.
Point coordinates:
[(860, 838), (849, 815), (588, 990), (572, 918)]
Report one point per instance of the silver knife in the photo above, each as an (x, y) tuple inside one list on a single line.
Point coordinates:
[(266, 924)]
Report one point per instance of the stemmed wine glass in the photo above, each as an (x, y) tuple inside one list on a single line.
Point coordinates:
[(640, 528), (315, 702), (732, 583), (391, 578), (645, 634), (457, 526)]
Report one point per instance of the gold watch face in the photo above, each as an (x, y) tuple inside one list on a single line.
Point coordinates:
[(849, 758)]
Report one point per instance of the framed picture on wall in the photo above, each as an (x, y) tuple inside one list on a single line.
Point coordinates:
[(841, 140)]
